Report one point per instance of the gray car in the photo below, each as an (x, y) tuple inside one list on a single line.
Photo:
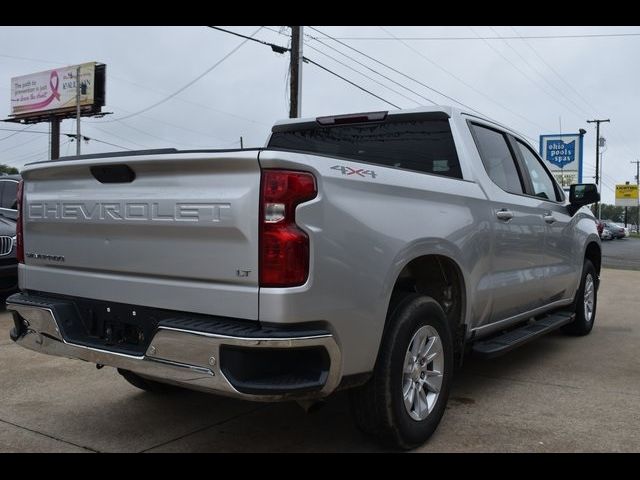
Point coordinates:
[(371, 252)]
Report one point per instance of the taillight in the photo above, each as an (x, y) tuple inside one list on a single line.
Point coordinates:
[(19, 239), (284, 247)]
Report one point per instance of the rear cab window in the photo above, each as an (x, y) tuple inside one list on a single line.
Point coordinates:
[(423, 144), (497, 158)]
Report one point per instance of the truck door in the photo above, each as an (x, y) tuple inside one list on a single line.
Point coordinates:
[(561, 245), (516, 279)]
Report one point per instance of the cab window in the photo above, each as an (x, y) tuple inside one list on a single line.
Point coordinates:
[(542, 183)]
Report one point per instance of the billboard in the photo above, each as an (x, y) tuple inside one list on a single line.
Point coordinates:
[(563, 155), (626, 195), (54, 91)]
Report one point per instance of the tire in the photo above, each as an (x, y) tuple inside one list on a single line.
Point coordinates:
[(146, 384), (585, 317), (378, 407)]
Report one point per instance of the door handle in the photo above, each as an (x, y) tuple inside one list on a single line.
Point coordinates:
[(548, 217), (504, 214)]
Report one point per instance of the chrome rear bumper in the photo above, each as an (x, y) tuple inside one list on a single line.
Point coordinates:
[(182, 357)]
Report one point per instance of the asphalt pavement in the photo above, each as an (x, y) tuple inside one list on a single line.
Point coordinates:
[(622, 253), (557, 394)]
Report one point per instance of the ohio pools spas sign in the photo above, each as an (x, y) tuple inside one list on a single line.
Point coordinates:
[(563, 155)]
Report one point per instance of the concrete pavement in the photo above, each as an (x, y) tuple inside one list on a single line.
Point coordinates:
[(556, 394)]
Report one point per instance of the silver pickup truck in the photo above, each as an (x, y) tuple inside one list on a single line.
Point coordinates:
[(371, 251)]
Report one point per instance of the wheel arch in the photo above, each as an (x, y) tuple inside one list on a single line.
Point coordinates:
[(440, 276), (593, 253)]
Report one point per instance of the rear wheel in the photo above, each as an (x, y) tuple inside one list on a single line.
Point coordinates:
[(586, 302), (146, 384), (403, 402)]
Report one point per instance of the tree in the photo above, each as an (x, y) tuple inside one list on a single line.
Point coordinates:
[(616, 214), (7, 169)]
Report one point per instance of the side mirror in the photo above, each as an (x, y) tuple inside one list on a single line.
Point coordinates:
[(582, 194)]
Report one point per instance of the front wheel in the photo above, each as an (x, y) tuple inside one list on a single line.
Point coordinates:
[(403, 402), (586, 302)]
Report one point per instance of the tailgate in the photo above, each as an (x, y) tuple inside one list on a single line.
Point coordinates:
[(181, 235)]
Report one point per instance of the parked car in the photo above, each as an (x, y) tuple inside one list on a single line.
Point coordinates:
[(606, 234), (616, 230), (367, 252), (8, 213)]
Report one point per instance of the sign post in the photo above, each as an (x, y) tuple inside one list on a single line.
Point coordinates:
[(563, 155)]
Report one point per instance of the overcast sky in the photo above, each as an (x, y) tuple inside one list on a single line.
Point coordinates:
[(536, 86)]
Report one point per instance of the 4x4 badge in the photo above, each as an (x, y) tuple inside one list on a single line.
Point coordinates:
[(354, 171)]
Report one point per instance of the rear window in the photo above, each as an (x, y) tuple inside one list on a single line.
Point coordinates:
[(423, 146)]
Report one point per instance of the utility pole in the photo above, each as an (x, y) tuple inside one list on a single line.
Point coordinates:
[(637, 162), (55, 137), (295, 72), (78, 137), (598, 122)]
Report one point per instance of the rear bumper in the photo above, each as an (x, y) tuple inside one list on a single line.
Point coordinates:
[(199, 357)]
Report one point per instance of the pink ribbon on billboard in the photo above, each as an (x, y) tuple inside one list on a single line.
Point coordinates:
[(54, 93)]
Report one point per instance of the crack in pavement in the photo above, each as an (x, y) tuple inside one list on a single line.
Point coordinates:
[(49, 436), (202, 429)]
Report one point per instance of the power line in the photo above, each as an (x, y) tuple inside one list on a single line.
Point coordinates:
[(525, 75), (440, 67), (17, 130), (308, 60), (538, 37), (274, 47), (364, 65), (169, 97), (409, 77), (550, 67), (71, 135), (118, 136), (161, 138), (181, 127), (375, 71), (145, 87), (28, 156), (360, 73), (397, 71), (569, 85), (74, 137), (14, 130), (562, 95), (20, 145), (184, 100)]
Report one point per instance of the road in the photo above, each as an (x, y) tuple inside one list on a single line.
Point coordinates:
[(622, 253), (557, 394)]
